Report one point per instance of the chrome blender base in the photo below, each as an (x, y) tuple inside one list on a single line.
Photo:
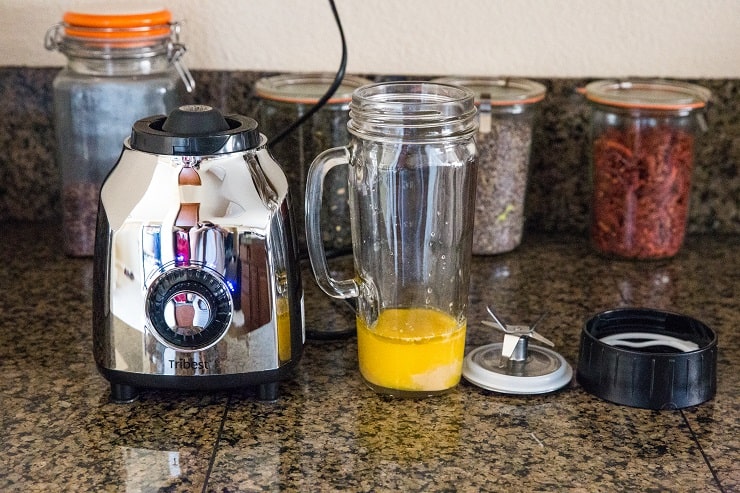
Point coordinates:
[(125, 386)]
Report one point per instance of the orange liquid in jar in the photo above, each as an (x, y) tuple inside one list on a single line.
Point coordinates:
[(283, 330), (412, 350)]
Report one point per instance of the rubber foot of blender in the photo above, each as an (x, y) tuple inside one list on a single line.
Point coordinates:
[(123, 394), (268, 391)]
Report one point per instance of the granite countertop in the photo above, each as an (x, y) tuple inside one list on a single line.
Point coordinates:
[(328, 431)]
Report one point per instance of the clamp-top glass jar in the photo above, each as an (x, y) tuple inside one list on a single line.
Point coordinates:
[(642, 155), (507, 110), (120, 68), (283, 99)]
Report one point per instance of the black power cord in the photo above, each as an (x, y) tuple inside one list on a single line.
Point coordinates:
[(329, 93)]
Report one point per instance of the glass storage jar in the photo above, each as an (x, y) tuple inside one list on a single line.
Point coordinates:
[(120, 68), (507, 110), (642, 156), (282, 99)]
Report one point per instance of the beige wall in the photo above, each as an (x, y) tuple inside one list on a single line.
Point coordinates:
[(534, 38)]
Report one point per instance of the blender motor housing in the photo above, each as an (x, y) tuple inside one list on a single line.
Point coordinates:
[(196, 276)]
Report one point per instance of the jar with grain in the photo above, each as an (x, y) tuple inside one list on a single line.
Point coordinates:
[(120, 68), (643, 137), (282, 100), (507, 110)]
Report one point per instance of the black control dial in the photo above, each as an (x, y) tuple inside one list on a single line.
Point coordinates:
[(189, 307)]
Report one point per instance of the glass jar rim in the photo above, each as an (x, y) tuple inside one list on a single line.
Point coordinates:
[(412, 110), (307, 87), (500, 91), (648, 94)]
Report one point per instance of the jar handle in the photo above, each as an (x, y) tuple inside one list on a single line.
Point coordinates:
[(320, 166)]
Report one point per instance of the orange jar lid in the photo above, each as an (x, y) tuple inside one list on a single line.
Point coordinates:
[(117, 26)]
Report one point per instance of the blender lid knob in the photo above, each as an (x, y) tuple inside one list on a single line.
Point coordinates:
[(195, 119)]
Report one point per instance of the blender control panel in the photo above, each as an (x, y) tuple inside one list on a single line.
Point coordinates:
[(189, 308)]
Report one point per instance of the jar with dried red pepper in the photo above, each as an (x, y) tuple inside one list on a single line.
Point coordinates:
[(642, 155)]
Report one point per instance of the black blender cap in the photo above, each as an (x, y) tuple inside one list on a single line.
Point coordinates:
[(648, 358), (194, 130), (195, 119)]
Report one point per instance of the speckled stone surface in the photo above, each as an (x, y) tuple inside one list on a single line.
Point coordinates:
[(329, 432), (559, 187)]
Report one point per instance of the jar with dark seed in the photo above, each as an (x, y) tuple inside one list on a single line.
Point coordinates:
[(507, 110), (121, 67), (283, 99)]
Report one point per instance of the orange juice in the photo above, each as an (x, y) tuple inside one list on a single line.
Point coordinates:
[(283, 330), (412, 350)]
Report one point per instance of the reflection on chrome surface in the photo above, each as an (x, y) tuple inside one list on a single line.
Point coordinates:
[(148, 469), (199, 262)]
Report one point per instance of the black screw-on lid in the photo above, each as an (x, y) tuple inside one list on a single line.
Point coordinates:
[(648, 358), (194, 130)]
